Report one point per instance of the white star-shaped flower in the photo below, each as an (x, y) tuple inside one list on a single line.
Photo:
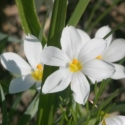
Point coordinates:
[(114, 52), (113, 120), (26, 75), (75, 61)]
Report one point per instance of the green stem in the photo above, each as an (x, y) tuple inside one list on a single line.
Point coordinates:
[(48, 103)]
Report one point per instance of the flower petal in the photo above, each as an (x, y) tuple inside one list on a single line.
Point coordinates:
[(15, 64), (21, 84), (57, 81), (93, 80), (71, 42), (122, 118), (102, 32), (38, 86), (98, 69), (80, 88), (114, 120), (119, 72), (92, 49), (84, 36), (63, 84), (33, 50), (54, 57), (116, 51)]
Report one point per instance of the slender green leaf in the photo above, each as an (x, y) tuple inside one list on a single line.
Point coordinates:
[(14, 107), (118, 107), (57, 22), (92, 121), (28, 16), (64, 113), (102, 86), (80, 8), (74, 115), (108, 100), (5, 86), (4, 107), (30, 112), (29, 19), (41, 35), (46, 110), (87, 110), (70, 121)]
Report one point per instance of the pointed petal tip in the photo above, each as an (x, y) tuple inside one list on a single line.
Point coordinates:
[(119, 72), (106, 27), (80, 88), (82, 102), (27, 35), (30, 36), (68, 27), (102, 32), (44, 91)]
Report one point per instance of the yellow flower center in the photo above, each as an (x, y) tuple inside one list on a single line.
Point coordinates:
[(103, 122), (75, 66), (99, 57), (38, 73)]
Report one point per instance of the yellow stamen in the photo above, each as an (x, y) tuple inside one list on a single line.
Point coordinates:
[(39, 66), (103, 122), (99, 57), (38, 73), (75, 66)]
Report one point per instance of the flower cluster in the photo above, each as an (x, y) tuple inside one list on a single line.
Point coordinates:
[(79, 57), (76, 60)]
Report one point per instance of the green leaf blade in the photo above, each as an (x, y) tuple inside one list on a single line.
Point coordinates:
[(30, 112), (28, 16), (47, 110), (80, 8), (4, 107)]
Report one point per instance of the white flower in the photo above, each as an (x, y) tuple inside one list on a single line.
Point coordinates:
[(27, 75), (75, 62), (113, 120), (114, 52)]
